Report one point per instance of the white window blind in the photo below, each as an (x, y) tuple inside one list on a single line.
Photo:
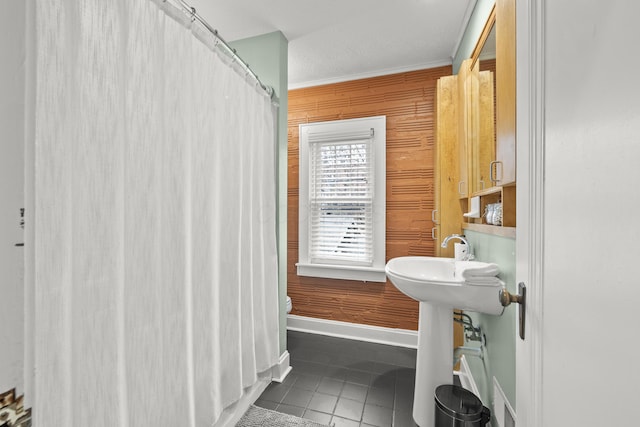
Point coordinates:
[(341, 217), (341, 198)]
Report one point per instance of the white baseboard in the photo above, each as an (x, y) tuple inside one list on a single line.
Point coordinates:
[(466, 378), (503, 412), (234, 412), (282, 369), (355, 331)]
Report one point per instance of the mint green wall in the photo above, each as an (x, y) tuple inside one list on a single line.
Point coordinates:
[(267, 56), (479, 17), (499, 355)]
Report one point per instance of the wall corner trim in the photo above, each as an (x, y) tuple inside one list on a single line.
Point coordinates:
[(280, 371)]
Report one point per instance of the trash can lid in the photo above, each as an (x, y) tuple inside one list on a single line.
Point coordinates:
[(458, 402)]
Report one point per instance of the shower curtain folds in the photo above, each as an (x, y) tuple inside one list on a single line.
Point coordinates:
[(155, 266)]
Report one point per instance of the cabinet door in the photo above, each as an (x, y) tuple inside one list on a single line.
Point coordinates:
[(477, 118), (505, 92), (449, 211), (465, 128), (485, 145)]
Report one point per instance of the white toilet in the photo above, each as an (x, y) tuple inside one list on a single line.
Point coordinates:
[(289, 305)]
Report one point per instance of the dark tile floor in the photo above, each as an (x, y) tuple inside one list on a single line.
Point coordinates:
[(345, 382)]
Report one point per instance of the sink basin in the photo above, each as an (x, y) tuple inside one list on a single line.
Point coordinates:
[(439, 281), (439, 285)]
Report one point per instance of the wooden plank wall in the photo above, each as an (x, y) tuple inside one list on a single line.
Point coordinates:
[(408, 102)]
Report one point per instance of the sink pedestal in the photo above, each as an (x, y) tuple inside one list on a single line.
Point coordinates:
[(434, 359), (439, 285)]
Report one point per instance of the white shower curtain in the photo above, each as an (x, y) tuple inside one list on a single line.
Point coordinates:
[(155, 282)]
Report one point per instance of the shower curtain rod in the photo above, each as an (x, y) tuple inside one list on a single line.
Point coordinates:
[(188, 9)]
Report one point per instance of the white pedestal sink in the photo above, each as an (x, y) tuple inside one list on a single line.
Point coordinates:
[(439, 286)]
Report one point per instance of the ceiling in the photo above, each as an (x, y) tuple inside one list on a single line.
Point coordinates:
[(339, 40)]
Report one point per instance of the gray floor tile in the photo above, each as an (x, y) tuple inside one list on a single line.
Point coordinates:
[(384, 368), (346, 382), (319, 417), (330, 386), (403, 418), (351, 409), (381, 397), (298, 397), (364, 365), (266, 404), (358, 377), (336, 372), (344, 422), (345, 360), (320, 357), (406, 373), (377, 415), (323, 403), (307, 382), (290, 379), (275, 392), (291, 410), (355, 392), (310, 368), (387, 381)]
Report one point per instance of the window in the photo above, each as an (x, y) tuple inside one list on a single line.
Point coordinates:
[(342, 199)]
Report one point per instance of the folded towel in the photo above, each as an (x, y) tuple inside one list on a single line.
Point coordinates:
[(485, 281), (471, 270)]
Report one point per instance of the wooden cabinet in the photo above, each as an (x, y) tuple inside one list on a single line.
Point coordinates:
[(476, 130), (483, 162), (465, 148)]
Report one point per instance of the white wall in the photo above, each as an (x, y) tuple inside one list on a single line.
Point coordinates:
[(592, 196), (12, 78)]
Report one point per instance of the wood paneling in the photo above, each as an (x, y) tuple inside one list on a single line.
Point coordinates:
[(408, 102)]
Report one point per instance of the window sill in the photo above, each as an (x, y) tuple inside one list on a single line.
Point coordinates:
[(344, 272)]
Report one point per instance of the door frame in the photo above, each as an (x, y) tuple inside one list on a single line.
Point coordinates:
[(530, 206)]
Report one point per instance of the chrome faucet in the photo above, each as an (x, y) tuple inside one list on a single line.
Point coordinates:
[(469, 255)]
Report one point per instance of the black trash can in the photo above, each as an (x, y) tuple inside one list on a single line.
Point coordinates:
[(458, 407)]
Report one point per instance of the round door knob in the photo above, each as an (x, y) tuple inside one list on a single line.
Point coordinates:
[(507, 298)]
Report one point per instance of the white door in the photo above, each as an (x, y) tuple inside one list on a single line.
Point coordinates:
[(578, 235)]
